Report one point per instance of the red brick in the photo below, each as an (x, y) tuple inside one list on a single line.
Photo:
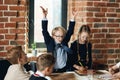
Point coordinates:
[(103, 9), (3, 7), (112, 35), (111, 9), (1, 1), (19, 31), (99, 35), (89, 14), (10, 13), (112, 56), (17, 19), (100, 4), (99, 14), (117, 30), (95, 41), (10, 25), (1, 37), (111, 15), (1, 25), (3, 31), (118, 41), (4, 42), (104, 20), (10, 36), (17, 8), (2, 54), (112, 25), (100, 46), (1, 13), (93, 20), (2, 49), (112, 46), (89, 3), (112, 4), (117, 0), (4, 19), (11, 2), (95, 30), (93, 9)]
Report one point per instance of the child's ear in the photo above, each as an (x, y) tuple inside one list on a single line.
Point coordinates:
[(47, 69)]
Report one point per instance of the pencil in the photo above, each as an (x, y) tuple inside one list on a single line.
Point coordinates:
[(80, 63)]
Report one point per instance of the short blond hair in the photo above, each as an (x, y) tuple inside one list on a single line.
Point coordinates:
[(59, 28), (45, 60)]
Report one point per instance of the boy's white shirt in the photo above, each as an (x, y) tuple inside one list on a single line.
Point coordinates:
[(42, 75)]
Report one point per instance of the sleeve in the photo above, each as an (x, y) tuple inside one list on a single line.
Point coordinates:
[(45, 32), (69, 32)]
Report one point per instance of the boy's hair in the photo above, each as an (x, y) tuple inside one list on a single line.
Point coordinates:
[(84, 28), (14, 53), (45, 60), (59, 28)]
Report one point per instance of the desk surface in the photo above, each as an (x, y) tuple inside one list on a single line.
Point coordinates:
[(102, 75)]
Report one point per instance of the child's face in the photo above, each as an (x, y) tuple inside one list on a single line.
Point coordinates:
[(58, 36), (23, 58), (83, 37)]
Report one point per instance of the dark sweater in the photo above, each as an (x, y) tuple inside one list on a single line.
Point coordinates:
[(37, 78), (4, 65), (84, 54)]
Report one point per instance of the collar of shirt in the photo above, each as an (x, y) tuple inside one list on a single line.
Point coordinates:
[(40, 74)]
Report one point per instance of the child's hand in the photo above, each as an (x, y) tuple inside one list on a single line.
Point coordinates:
[(74, 13), (45, 11), (80, 68), (116, 76), (111, 70)]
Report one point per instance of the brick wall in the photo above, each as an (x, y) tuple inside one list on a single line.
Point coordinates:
[(13, 24), (103, 17)]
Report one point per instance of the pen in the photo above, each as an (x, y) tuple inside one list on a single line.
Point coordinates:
[(80, 63)]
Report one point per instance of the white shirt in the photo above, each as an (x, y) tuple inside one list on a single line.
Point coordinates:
[(16, 72)]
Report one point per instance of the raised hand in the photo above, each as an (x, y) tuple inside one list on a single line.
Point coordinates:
[(74, 13), (45, 11)]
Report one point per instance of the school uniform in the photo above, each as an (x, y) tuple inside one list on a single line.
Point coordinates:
[(81, 52), (38, 76), (52, 46), (4, 65), (16, 72)]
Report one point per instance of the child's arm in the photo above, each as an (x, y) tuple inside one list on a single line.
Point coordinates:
[(71, 26), (45, 32)]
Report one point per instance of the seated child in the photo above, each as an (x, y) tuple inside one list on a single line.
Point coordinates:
[(45, 64)]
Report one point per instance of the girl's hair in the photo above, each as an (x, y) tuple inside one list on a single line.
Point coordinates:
[(84, 28), (58, 29), (14, 53)]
